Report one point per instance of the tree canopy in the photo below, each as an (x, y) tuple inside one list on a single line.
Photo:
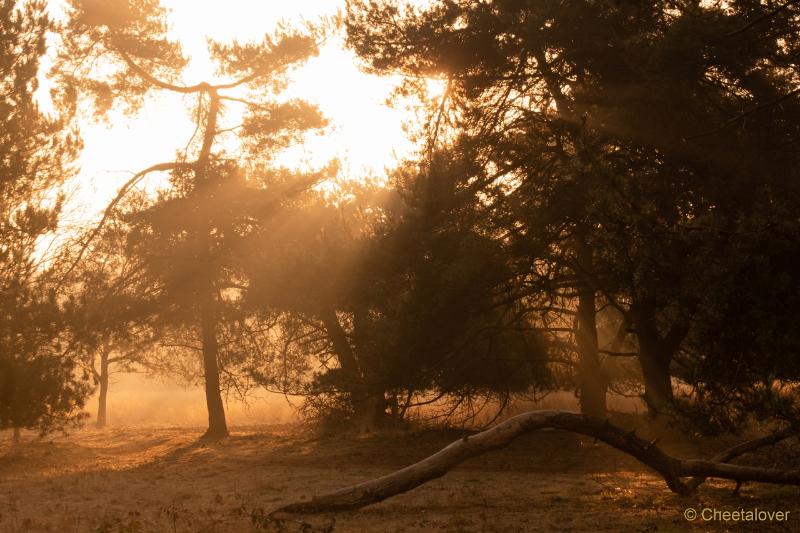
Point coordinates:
[(39, 385)]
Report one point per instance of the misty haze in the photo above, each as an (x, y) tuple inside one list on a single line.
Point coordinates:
[(399, 265)]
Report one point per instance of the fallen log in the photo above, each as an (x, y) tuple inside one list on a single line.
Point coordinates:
[(670, 468)]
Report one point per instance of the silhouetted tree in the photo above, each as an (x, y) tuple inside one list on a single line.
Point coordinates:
[(112, 310), (399, 288), (188, 237), (39, 384), (624, 147)]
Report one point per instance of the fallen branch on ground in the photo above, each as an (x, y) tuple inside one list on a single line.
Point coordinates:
[(670, 468), (743, 448)]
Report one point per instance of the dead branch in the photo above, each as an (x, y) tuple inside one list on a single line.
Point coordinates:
[(743, 448), (670, 468)]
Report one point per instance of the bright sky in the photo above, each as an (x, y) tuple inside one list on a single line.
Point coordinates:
[(365, 134)]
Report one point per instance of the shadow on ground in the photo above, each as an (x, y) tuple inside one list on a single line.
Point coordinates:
[(166, 479)]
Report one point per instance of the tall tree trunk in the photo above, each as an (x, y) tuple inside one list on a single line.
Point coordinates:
[(217, 426), (655, 356), (101, 400), (341, 345), (590, 372)]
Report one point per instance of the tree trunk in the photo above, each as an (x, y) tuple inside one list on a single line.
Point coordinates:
[(341, 345), (371, 408), (217, 426), (656, 351), (17, 435), (590, 372), (369, 402), (371, 411), (352, 381), (670, 468), (101, 400), (657, 379)]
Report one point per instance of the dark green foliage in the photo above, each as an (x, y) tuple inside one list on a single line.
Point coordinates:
[(39, 384), (451, 329), (607, 199), (636, 151), (411, 287)]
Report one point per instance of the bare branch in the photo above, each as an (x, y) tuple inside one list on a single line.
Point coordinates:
[(161, 167), (745, 447), (670, 468)]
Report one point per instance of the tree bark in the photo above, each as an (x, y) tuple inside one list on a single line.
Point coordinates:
[(670, 468), (217, 426), (657, 378), (101, 400), (656, 351), (590, 372), (371, 409), (341, 345)]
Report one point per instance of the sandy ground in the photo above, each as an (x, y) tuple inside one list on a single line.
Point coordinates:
[(163, 479)]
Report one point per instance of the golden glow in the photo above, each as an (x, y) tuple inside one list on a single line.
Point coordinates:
[(364, 133)]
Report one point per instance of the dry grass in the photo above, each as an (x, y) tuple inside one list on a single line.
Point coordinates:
[(163, 479)]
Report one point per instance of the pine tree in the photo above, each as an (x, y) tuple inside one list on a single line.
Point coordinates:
[(40, 386), (188, 236)]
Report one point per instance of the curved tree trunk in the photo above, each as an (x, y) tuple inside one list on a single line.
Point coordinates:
[(371, 412), (371, 408), (656, 351), (670, 468)]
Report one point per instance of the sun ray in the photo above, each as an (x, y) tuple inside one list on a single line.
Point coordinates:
[(365, 134)]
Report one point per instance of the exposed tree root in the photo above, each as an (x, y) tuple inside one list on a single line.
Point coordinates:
[(670, 468)]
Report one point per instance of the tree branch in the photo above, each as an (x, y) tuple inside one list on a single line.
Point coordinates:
[(144, 74), (745, 447), (744, 114), (438, 464), (612, 353), (762, 18), (161, 167)]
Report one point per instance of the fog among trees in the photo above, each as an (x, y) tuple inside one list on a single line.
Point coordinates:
[(596, 232)]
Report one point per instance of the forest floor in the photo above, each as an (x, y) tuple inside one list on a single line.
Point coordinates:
[(164, 479)]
